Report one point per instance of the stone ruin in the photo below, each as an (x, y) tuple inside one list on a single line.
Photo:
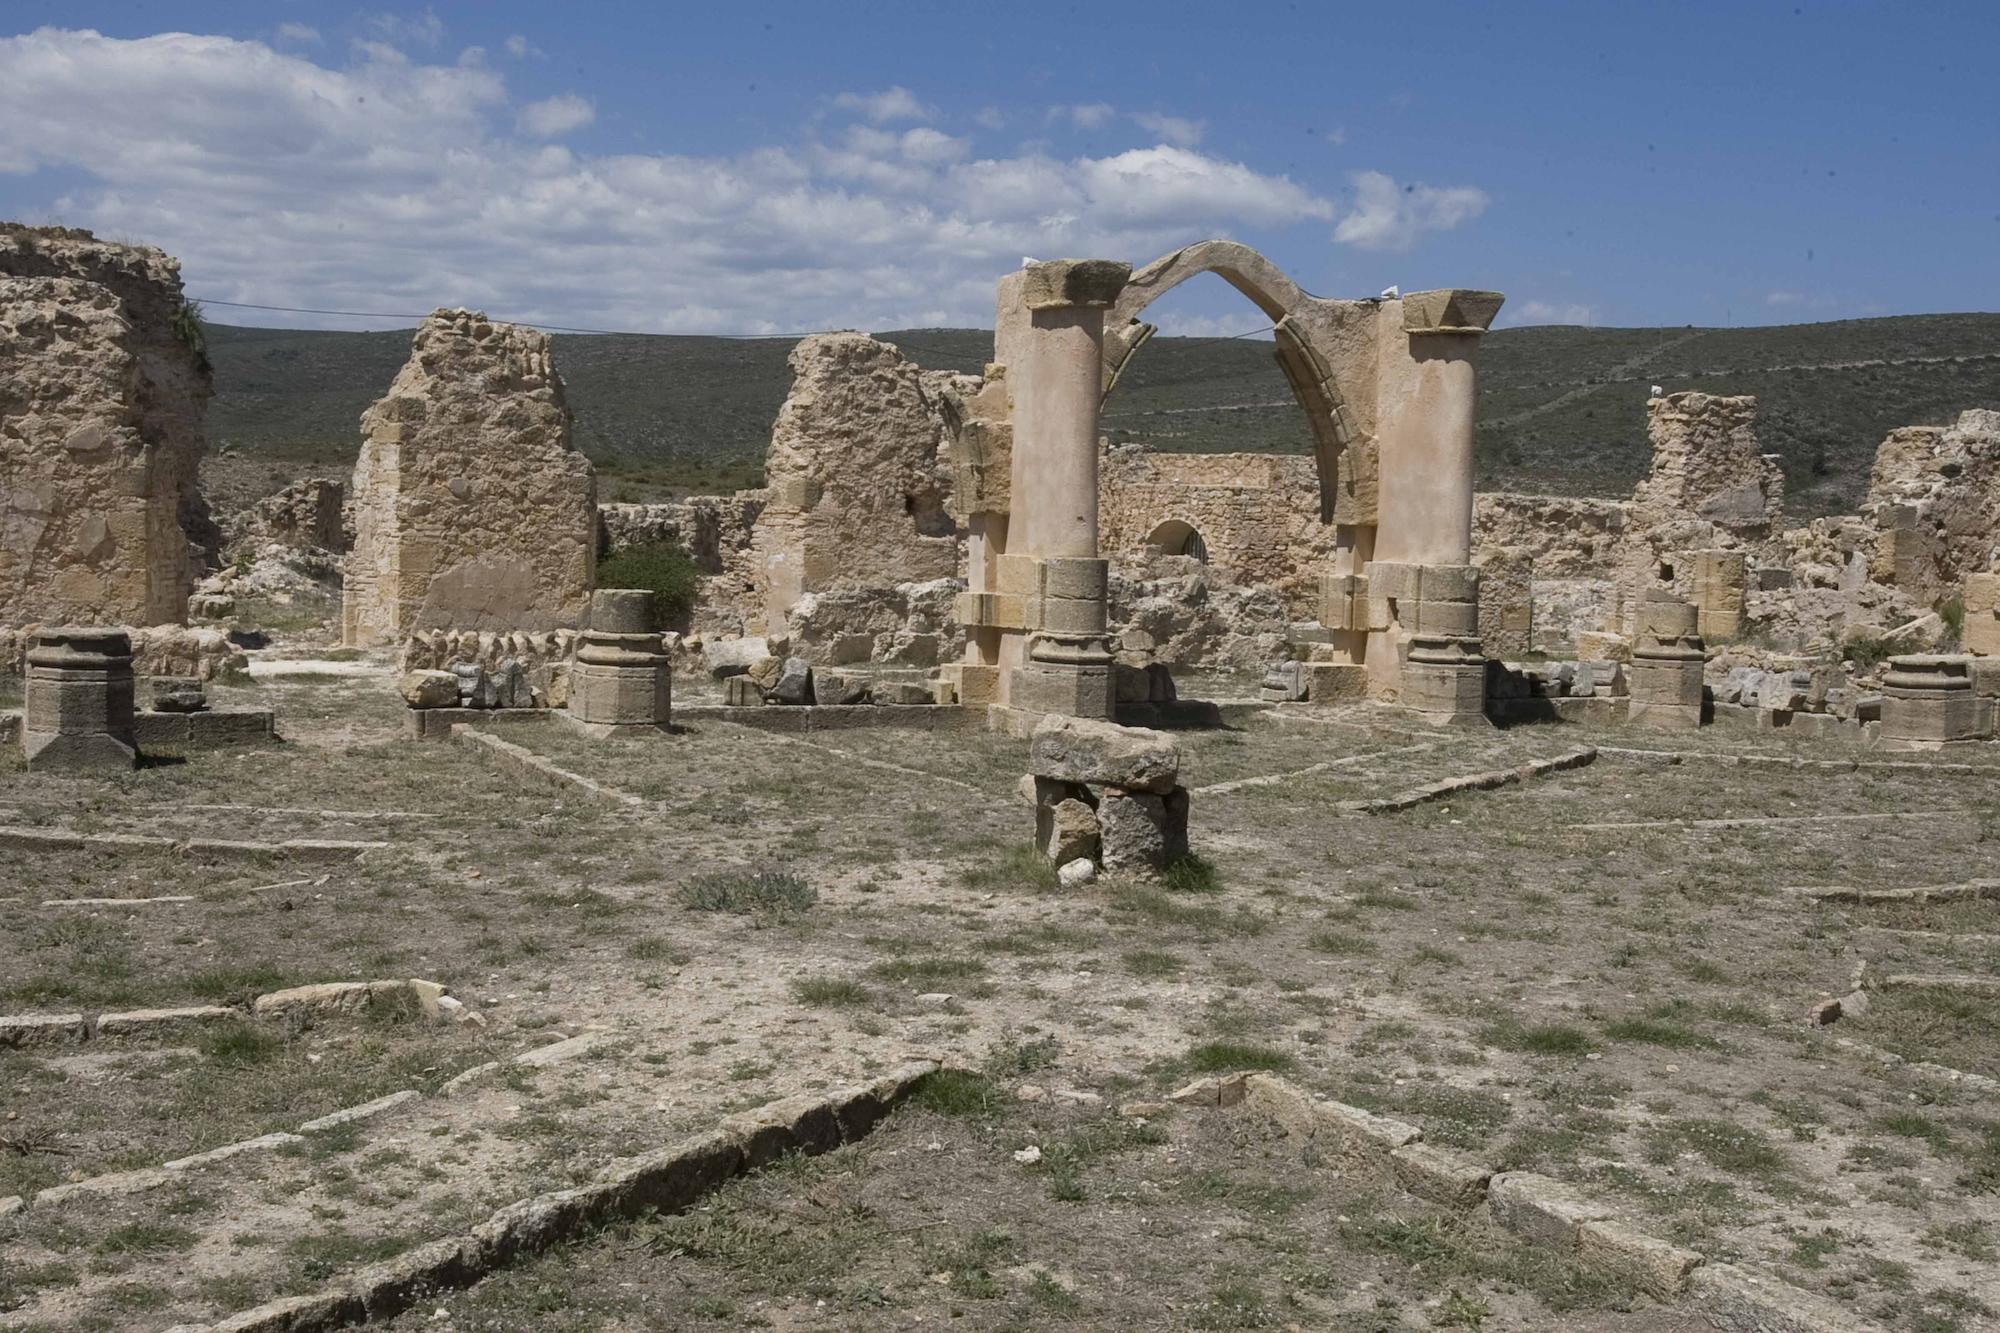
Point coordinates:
[(1106, 798), (102, 388), (472, 507)]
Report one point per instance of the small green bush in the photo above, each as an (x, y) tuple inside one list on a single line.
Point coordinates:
[(666, 570), (766, 892)]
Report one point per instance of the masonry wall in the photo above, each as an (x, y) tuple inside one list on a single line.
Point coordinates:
[(858, 478), (473, 510), (1257, 514), (101, 399)]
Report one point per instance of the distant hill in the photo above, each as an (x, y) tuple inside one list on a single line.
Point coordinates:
[(1561, 408)]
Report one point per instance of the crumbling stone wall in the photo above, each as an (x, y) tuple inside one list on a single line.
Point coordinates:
[(1934, 500), (305, 516), (472, 508), (858, 479), (1257, 515), (102, 389)]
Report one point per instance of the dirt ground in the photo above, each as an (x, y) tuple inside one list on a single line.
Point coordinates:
[(1565, 976)]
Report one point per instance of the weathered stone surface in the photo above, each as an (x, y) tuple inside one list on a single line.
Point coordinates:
[(1133, 826), (1541, 1209), (840, 687), (1075, 749), (472, 508), (764, 672), (430, 689), (162, 1022), (858, 494), (304, 516), (1066, 829), (41, 1029), (101, 400), (733, 657), (794, 684), (177, 694)]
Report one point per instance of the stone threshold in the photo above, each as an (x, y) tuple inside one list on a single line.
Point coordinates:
[(1543, 1211), (670, 1180)]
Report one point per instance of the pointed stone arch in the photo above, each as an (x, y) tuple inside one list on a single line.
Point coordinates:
[(1301, 328)]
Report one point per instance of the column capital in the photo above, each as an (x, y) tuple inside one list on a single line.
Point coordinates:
[(1450, 310), (1056, 283)]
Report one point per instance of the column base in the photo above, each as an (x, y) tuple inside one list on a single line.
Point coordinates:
[(1446, 694), (1071, 690), (1663, 716), (620, 696), (605, 730), (78, 752)]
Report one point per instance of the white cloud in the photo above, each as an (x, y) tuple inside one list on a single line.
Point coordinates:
[(425, 29), (990, 118), (897, 103), (1172, 129), (299, 34), (396, 185), (1389, 216), (1085, 116), (521, 48), (1548, 312), (553, 117)]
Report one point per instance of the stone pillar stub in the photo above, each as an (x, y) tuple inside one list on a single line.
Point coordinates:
[(1928, 703), (621, 678), (79, 708), (1665, 674)]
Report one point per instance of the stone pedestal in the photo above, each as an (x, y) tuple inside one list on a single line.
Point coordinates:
[(1444, 681), (1928, 703), (621, 678), (1664, 677), (1107, 794), (79, 715)]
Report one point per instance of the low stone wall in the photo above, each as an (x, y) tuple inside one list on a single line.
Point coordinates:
[(157, 650)]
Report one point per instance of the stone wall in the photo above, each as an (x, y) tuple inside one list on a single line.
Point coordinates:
[(1934, 499), (102, 391), (858, 478), (472, 508), (305, 516), (1257, 515), (157, 650)]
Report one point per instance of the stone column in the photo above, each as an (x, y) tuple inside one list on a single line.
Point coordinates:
[(1928, 703), (621, 677), (79, 701), (1052, 561), (1667, 660)]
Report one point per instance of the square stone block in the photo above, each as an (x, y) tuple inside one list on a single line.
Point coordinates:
[(1336, 682), (1018, 574), (1929, 718), (1448, 583), (1676, 684), (1393, 581), (978, 685)]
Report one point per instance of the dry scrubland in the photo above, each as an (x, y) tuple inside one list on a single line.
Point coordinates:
[(1537, 987)]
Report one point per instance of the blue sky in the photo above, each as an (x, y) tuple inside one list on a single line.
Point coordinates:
[(744, 168)]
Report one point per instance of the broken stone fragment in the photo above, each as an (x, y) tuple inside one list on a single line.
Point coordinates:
[(840, 687), (1075, 749), (430, 689), (794, 684), (764, 672), (1077, 873), (1133, 829), (475, 688), (732, 657), (179, 694), (1066, 830)]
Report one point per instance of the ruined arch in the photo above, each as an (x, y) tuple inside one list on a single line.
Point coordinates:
[(1346, 465)]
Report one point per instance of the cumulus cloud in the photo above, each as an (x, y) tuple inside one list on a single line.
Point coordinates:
[(391, 184), (553, 117), (896, 103), (1171, 129), (1389, 216)]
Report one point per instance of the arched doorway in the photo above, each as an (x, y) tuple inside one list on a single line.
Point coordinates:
[(1178, 537)]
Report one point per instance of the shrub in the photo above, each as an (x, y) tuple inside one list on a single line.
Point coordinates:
[(666, 570), (766, 891)]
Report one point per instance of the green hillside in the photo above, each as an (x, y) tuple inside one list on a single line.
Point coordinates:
[(1561, 408)]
